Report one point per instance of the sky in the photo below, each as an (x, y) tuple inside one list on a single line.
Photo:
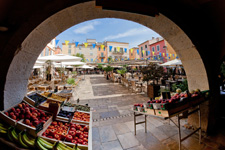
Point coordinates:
[(108, 29)]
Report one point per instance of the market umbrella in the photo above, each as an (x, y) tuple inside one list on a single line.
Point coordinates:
[(172, 63), (59, 58)]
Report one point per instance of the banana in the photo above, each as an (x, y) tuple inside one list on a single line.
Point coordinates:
[(3, 128), (3, 131), (9, 134), (39, 145), (21, 141), (28, 141), (64, 146), (14, 135), (74, 148), (46, 144)]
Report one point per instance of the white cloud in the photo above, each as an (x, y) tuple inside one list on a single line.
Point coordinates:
[(131, 32), (87, 27)]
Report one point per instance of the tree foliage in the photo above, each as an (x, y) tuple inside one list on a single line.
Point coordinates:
[(81, 56), (122, 71), (108, 69), (152, 72)]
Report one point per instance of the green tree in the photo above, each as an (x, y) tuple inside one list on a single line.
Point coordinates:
[(100, 66), (122, 71), (81, 56), (110, 59), (108, 69)]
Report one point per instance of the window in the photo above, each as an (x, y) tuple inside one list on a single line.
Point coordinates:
[(102, 60), (141, 48), (91, 47), (114, 49), (69, 46), (146, 52), (158, 48), (104, 48), (91, 54), (146, 47), (131, 54), (46, 51), (121, 50), (153, 49), (102, 54), (92, 60), (79, 47), (69, 51), (142, 54), (99, 48)]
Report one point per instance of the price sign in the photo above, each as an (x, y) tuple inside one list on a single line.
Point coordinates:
[(39, 127), (37, 103)]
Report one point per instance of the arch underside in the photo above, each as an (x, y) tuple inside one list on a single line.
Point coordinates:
[(23, 61)]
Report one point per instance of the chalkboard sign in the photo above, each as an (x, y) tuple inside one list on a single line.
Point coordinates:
[(39, 127), (37, 103), (86, 104), (166, 95)]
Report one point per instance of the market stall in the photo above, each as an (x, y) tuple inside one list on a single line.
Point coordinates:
[(61, 125), (169, 108)]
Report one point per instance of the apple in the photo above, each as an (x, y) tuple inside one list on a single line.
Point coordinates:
[(27, 105), (27, 121), (80, 141), (13, 109), (20, 106), (74, 141), (49, 136), (51, 127), (52, 132), (73, 129), (85, 143), (56, 136), (63, 135), (78, 133), (21, 116), (81, 136), (59, 133), (54, 123), (85, 139), (6, 113), (17, 114), (76, 138), (36, 122), (69, 138), (85, 135), (11, 113), (78, 127), (73, 133), (13, 117), (27, 116)]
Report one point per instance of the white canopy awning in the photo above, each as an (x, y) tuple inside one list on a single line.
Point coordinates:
[(172, 63), (86, 67), (59, 58), (74, 63), (69, 66), (36, 66)]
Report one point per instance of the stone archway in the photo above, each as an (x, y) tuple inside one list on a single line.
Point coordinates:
[(24, 59)]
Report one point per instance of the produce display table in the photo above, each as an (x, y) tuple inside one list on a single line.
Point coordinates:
[(192, 109)]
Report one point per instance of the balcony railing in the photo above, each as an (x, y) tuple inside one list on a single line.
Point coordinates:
[(102, 56), (118, 52)]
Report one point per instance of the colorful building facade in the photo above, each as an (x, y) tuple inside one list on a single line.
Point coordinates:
[(102, 56), (117, 50), (134, 53)]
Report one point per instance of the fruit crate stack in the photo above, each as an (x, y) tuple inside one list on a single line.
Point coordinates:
[(168, 107), (71, 134), (25, 116), (47, 98)]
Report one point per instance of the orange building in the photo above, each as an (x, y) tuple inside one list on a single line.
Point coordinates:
[(133, 55), (102, 54), (170, 51)]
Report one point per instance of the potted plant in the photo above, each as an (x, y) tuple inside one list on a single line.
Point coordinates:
[(152, 72), (107, 70), (70, 81), (122, 72)]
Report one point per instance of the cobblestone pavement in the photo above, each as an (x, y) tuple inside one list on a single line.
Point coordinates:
[(113, 122)]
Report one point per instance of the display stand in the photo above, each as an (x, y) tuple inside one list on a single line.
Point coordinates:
[(177, 114)]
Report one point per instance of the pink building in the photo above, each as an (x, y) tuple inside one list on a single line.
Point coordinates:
[(144, 49), (158, 50)]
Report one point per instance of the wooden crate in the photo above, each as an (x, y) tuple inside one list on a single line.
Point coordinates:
[(168, 113), (76, 121), (150, 111), (83, 147)]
